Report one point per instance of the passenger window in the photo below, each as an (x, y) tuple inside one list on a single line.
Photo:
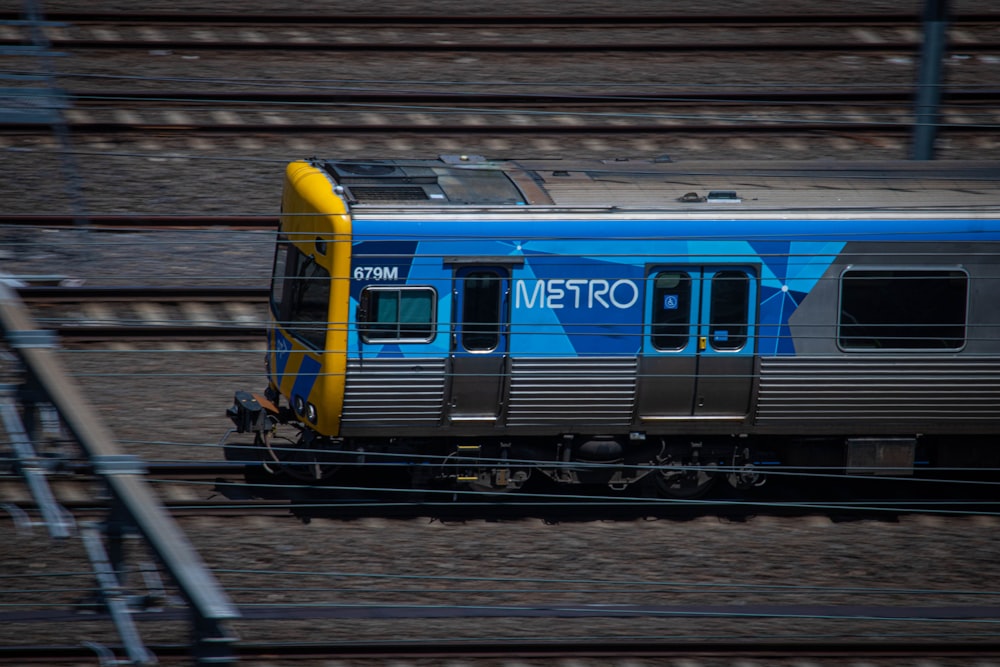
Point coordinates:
[(405, 314), (728, 311), (300, 294), (671, 320), (310, 301), (278, 274), (481, 310), (903, 309)]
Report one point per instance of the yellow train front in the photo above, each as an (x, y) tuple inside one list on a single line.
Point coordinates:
[(478, 322)]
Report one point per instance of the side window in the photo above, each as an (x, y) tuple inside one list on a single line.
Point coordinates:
[(282, 259), (903, 309), (404, 314), (310, 302), (300, 294), (727, 322), (671, 318), (481, 310)]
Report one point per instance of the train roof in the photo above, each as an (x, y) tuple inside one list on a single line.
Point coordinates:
[(960, 188)]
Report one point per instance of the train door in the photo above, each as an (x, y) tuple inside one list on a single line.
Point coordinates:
[(698, 351), (479, 345)]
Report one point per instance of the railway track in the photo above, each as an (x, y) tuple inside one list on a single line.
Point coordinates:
[(460, 604), (585, 652), (684, 117), (360, 108), (455, 91), (557, 114), (641, 97), (140, 222), (218, 489), (524, 34), (506, 19), (94, 314)]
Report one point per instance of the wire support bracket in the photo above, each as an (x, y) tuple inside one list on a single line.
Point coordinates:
[(114, 598), (59, 522)]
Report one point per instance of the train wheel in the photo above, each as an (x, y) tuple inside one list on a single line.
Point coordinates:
[(295, 460), (686, 482)]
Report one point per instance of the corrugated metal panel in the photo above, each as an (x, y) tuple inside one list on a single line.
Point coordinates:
[(599, 391), (879, 388), (394, 391)]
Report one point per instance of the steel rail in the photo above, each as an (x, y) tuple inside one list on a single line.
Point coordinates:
[(97, 98), (96, 509), (765, 126), (67, 470), (431, 19), (294, 503), (638, 23), (160, 294), (578, 610), (506, 47), (70, 333), (485, 20), (554, 511), (636, 650), (141, 222), (548, 650)]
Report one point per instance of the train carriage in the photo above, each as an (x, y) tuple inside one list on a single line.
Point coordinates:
[(613, 321)]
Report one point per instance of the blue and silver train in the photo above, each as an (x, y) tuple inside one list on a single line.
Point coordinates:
[(607, 322)]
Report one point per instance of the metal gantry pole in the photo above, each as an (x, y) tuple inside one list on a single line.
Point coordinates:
[(125, 478), (114, 598), (52, 102), (930, 83)]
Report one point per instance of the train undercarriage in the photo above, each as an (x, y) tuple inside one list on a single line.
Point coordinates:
[(674, 467)]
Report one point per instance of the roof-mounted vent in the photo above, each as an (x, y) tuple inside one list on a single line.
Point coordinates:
[(723, 197), (380, 172), (364, 168), (394, 194), (463, 159)]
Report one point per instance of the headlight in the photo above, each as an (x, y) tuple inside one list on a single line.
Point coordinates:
[(300, 405), (311, 412)]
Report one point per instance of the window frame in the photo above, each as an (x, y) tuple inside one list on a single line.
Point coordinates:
[(288, 292), (661, 331), (472, 328), (364, 311), (946, 272), (742, 326)]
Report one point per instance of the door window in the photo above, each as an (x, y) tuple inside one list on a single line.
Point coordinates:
[(481, 305), (728, 309), (671, 319)]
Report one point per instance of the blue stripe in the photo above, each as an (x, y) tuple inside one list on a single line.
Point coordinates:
[(598, 233), (306, 377)]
